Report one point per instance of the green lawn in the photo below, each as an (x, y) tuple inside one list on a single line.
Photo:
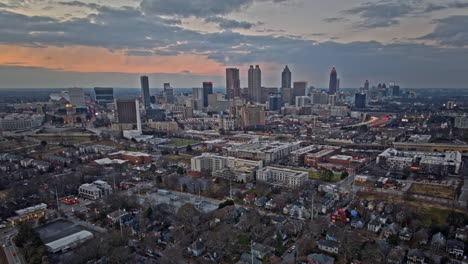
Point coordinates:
[(180, 142)]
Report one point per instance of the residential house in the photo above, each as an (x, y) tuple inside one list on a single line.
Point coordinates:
[(357, 222), (396, 256), (329, 246), (260, 250), (391, 229), (455, 248), (374, 226), (197, 247), (462, 233), (438, 241), (401, 217), (416, 256), (422, 236), (405, 234), (320, 259), (260, 202)]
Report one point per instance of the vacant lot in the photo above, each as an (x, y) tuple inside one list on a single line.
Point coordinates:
[(180, 142), (315, 175), (433, 190)]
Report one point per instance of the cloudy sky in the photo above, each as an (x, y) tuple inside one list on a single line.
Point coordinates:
[(62, 43)]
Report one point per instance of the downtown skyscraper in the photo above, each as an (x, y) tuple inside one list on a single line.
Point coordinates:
[(145, 93), (255, 83), (286, 78), (207, 90), (333, 87), (232, 83)]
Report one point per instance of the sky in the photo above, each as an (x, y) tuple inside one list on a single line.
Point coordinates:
[(84, 43)]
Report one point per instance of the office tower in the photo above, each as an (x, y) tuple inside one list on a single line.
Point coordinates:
[(266, 91), (332, 99), (252, 116), (255, 83), (360, 100), (286, 78), (145, 93), (366, 86), (232, 83), (104, 95), (299, 88), (207, 89), (338, 83), (127, 111), (77, 98), (333, 87), (320, 98), (395, 90), (168, 93), (287, 96), (302, 101), (274, 102)]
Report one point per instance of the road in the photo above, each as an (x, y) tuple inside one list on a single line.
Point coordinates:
[(11, 251), (289, 256)]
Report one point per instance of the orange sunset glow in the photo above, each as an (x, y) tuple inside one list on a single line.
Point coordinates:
[(95, 59)]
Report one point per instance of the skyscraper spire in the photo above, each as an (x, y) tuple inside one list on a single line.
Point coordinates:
[(286, 78), (333, 86)]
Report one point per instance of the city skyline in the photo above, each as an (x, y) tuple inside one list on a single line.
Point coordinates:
[(419, 44)]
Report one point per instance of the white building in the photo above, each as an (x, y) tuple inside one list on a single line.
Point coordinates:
[(95, 190), (443, 163), (282, 177), (21, 122), (461, 122), (267, 151), (69, 242)]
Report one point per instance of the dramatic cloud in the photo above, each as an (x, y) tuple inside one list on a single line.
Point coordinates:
[(451, 31), (197, 8), (229, 23), (387, 13), (381, 14)]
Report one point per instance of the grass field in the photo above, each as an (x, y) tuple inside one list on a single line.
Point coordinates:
[(314, 175), (178, 158), (180, 142), (74, 139), (433, 190)]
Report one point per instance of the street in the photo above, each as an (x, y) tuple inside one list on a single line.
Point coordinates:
[(11, 251)]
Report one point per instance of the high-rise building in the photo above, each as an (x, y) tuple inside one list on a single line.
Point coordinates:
[(77, 98), (302, 101), (168, 93), (299, 88), (127, 111), (320, 98), (207, 89), (286, 78), (266, 91), (232, 83), (104, 95), (287, 96), (366, 86), (395, 90), (255, 83), (360, 100), (274, 103), (252, 116), (333, 86), (145, 93)]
